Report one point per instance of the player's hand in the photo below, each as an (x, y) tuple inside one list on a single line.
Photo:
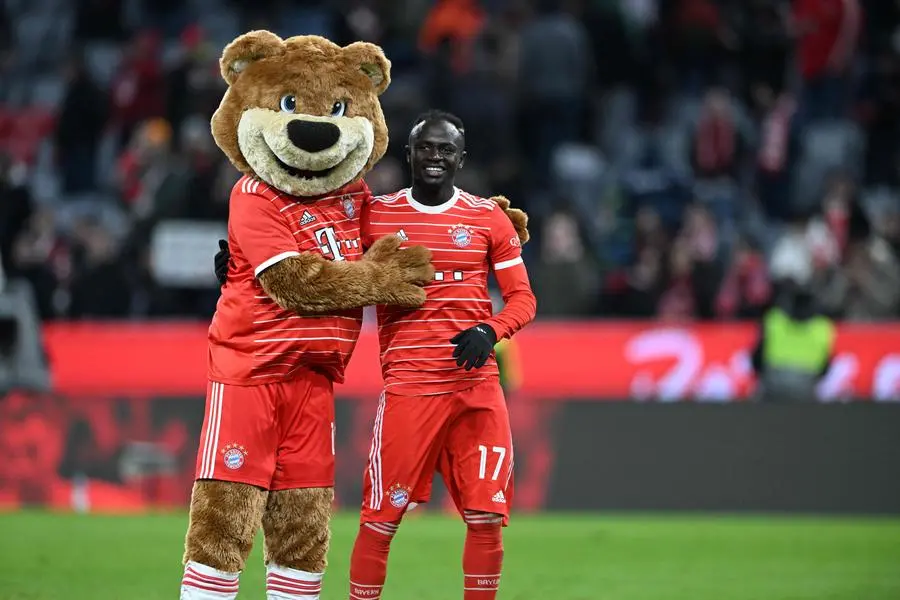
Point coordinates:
[(518, 217), (223, 257), (474, 346)]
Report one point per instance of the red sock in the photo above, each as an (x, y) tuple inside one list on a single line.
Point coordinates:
[(368, 563), (482, 556)]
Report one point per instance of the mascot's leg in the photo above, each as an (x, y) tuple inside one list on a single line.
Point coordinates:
[(296, 526), (225, 517)]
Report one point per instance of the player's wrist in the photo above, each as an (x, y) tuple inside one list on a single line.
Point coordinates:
[(488, 331)]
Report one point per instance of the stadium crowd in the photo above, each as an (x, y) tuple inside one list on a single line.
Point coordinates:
[(678, 158)]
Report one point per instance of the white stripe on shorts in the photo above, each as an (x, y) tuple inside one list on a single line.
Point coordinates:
[(211, 443)]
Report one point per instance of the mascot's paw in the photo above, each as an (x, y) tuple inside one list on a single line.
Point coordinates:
[(403, 271), (225, 517), (296, 528), (518, 217)]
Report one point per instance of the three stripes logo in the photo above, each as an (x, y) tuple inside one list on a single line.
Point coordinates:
[(307, 218)]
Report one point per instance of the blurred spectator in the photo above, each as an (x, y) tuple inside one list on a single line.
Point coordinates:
[(453, 25), (865, 286), (16, 208), (795, 347), (764, 47), (827, 33), (678, 301), (138, 91), (193, 83), (555, 77), (100, 20), (79, 126), (746, 289), (100, 287), (41, 256), (717, 143), (778, 154)]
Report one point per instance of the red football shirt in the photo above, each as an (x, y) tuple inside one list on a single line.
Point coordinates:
[(252, 340), (468, 236)]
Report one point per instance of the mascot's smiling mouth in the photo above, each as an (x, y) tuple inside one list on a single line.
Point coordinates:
[(304, 173)]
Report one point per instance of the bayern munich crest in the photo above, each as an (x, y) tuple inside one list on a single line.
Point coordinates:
[(461, 235), (398, 495), (349, 209), (233, 455)]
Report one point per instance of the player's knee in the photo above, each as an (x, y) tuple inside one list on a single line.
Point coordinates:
[(476, 519), (380, 532)]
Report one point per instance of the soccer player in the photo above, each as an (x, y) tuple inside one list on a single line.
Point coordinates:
[(443, 408)]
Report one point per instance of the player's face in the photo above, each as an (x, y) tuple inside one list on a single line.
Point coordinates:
[(436, 151)]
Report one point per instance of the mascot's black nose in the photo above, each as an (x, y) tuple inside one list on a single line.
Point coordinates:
[(313, 136)]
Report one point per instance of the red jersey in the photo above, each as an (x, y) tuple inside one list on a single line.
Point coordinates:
[(252, 340), (468, 236)]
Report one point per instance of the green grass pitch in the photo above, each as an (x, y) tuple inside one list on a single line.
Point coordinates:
[(561, 557)]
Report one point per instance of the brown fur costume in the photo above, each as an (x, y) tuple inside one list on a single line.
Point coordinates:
[(251, 126)]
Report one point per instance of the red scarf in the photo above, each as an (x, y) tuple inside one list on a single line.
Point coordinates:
[(773, 149), (715, 144)]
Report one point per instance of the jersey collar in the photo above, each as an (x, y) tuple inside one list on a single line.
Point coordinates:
[(433, 210)]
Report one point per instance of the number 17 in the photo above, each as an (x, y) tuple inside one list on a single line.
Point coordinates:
[(482, 468)]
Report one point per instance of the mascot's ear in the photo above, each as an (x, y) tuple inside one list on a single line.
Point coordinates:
[(370, 59), (246, 49)]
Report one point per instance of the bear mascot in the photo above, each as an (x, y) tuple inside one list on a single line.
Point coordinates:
[(301, 120)]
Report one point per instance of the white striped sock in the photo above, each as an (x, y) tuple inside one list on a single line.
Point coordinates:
[(201, 582), (283, 583)]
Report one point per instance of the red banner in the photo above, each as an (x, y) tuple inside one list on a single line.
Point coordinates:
[(561, 360)]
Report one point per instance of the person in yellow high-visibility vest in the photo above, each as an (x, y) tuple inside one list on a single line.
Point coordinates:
[(795, 347)]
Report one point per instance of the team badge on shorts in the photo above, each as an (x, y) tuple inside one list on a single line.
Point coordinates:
[(398, 495), (233, 455), (461, 235), (349, 209)]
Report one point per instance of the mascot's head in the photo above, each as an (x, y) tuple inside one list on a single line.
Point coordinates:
[(302, 114)]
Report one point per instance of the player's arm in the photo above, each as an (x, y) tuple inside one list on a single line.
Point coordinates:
[(306, 282), (505, 256), (474, 345)]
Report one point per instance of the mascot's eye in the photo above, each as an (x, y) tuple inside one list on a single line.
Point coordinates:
[(289, 103), (338, 108)]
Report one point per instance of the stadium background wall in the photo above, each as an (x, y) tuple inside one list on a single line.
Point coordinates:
[(119, 431)]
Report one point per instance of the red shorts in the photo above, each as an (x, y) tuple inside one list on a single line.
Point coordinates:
[(276, 436), (464, 435)]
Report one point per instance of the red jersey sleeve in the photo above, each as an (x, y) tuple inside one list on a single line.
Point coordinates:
[(505, 257), (365, 221), (261, 232)]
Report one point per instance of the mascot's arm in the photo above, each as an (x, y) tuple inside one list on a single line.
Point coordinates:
[(309, 283), (518, 217)]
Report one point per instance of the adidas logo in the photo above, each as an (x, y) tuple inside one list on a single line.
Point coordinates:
[(402, 235), (307, 218), (499, 497)]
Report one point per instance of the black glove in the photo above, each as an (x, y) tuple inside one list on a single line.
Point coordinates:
[(474, 346), (223, 257)]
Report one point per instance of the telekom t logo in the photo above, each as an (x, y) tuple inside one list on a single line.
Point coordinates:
[(328, 242)]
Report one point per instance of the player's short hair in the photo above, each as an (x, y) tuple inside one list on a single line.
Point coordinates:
[(439, 116)]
